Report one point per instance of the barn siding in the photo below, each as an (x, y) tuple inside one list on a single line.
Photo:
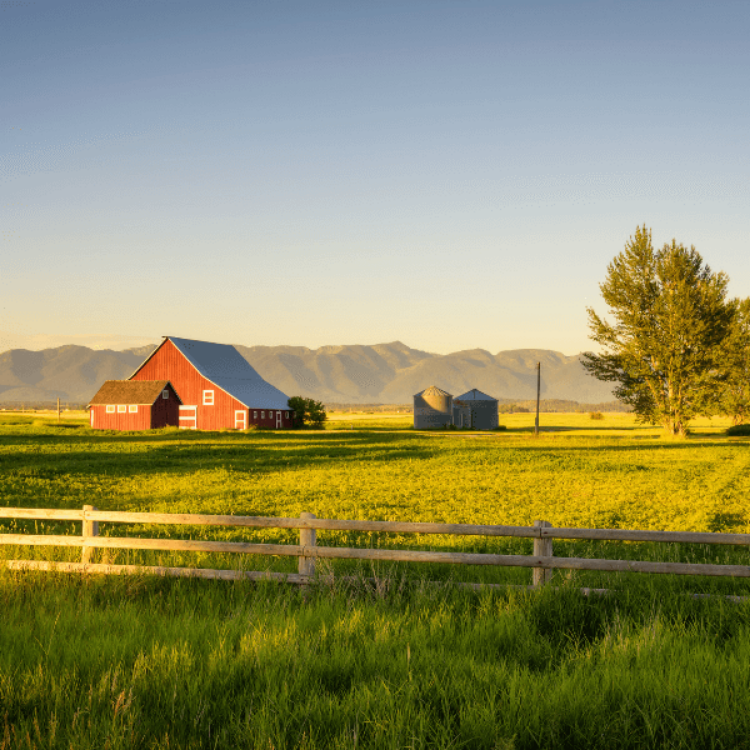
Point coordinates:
[(141, 420), (168, 363)]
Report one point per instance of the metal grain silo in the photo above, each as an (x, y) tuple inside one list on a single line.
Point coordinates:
[(483, 409), (433, 407), (461, 414)]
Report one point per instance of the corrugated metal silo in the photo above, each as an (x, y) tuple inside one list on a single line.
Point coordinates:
[(484, 414), (433, 407), (461, 414)]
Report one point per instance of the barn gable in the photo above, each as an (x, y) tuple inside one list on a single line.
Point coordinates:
[(226, 368), (218, 387)]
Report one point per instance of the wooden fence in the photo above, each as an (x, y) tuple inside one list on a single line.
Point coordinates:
[(542, 561)]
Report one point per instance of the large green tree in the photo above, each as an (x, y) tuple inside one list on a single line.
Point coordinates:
[(735, 401), (671, 320)]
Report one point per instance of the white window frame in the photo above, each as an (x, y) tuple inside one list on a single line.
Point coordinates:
[(165, 394), (255, 415), (208, 398), (122, 408), (133, 409), (110, 408), (240, 419), (262, 415)]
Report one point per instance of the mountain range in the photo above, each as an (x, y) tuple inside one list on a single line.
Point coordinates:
[(356, 374)]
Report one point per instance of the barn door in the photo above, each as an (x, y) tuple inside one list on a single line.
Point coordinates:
[(240, 419), (278, 420), (188, 417)]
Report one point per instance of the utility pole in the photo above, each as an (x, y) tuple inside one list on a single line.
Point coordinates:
[(58, 409), (538, 391)]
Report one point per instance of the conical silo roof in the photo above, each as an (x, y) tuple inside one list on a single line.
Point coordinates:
[(433, 390), (475, 395)]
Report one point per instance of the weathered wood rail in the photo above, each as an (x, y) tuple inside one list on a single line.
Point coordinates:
[(308, 551)]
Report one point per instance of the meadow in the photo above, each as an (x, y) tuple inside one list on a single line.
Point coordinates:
[(398, 657)]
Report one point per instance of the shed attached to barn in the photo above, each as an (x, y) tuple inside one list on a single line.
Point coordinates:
[(134, 405), (433, 407), (218, 386), (484, 412)]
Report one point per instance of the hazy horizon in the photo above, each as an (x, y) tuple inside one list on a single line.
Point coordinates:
[(39, 342)]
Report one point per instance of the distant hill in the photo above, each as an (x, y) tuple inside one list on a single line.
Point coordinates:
[(71, 373), (357, 374)]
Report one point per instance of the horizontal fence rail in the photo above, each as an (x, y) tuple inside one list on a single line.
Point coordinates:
[(542, 561)]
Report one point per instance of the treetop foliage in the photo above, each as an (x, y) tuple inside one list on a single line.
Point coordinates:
[(666, 346)]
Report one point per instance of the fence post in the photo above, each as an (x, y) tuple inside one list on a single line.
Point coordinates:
[(542, 548), (90, 528), (307, 538)]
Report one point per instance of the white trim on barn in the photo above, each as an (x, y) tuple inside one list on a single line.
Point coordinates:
[(187, 418)]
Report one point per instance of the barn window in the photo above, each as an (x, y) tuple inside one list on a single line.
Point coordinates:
[(208, 398), (133, 408), (121, 408), (165, 394), (262, 415), (110, 408), (255, 415)]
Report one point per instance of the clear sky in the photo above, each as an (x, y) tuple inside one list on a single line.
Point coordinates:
[(450, 174)]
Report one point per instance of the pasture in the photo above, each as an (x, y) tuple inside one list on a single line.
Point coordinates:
[(396, 660)]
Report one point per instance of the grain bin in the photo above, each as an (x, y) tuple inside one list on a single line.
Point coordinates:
[(461, 414), (433, 407), (483, 409)]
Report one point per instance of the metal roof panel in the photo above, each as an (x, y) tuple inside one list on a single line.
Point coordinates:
[(433, 390), (475, 395), (224, 366)]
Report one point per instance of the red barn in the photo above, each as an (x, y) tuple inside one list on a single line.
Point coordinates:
[(218, 387), (134, 405)]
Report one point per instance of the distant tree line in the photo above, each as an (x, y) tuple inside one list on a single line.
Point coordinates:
[(40, 405), (374, 408), (505, 406), (558, 405)]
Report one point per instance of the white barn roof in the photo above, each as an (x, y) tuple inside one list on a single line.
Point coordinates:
[(475, 395), (224, 366)]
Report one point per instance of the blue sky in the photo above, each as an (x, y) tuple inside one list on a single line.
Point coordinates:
[(450, 174)]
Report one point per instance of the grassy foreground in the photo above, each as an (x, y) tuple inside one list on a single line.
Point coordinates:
[(393, 661), (139, 663)]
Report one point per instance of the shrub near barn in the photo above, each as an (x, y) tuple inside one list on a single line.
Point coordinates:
[(308, 412)]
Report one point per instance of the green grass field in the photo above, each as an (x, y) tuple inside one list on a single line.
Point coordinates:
[(394, 660)]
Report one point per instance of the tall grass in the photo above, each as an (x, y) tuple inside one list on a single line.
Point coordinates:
[(92, 663)]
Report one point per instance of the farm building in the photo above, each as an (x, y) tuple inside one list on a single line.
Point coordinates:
[(484, 415), (461, 414), (433, 407), (134, 405), (219, 389)]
